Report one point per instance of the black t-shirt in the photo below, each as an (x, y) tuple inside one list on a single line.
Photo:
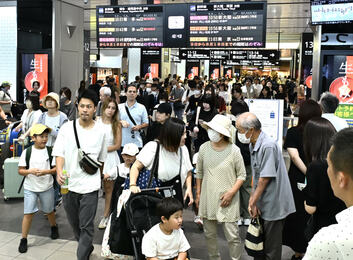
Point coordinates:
[(294, 139), (318, 193), (193, 103)]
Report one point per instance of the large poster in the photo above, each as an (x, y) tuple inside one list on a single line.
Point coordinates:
[(338, 77), (35, 68)]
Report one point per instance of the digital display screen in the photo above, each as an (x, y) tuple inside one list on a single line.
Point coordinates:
[(130, 26), (331, 11), (227, 25), (182, 25)]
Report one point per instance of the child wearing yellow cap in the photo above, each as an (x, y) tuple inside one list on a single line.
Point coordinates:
[(36, 166)]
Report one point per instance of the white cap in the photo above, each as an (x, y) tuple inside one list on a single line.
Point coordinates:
[(130, 149)]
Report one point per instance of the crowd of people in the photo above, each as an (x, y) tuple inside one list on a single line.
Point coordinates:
[(228, 168)]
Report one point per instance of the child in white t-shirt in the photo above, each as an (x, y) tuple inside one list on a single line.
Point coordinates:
[(38, 183), (166, 240), (129, 155)]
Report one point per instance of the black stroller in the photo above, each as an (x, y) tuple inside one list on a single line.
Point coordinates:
[(138, 216)]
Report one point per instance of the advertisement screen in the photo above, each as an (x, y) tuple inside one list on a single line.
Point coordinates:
[(35, 68), (338, 76), (150, 70), (192, 69)]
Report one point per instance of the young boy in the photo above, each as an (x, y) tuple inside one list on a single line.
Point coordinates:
[(38, 182), (166, 240)]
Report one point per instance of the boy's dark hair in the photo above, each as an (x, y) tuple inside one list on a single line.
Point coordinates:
[(89, 94), (167, 207)]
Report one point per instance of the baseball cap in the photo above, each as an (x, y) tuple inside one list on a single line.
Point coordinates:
[(5, 84), (38, 129), (130, 149), (164, 108)]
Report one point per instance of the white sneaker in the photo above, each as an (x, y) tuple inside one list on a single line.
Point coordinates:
[(240, 222), (103, 224), (247, 221), (198, 220)]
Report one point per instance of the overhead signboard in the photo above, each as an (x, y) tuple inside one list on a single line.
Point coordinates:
[(236, 57), (194, 54), (331, 11), (227, 24), (211, 25), (151, 53), (130, 26)]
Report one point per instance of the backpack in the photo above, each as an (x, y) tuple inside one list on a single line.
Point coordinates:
[(28, 157)]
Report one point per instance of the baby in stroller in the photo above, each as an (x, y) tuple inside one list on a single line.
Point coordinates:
[(166, 240)]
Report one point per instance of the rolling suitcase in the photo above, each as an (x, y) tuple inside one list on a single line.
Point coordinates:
[(12, 180)]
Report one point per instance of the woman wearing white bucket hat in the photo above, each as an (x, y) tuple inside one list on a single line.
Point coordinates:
[(220, 172)]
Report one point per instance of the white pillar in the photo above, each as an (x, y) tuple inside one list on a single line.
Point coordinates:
[(134, 61)]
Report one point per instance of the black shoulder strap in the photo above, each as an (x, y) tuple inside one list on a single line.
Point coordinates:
[(154, 170), (76, 137), (28, 157), (129, 115), (49, 150)]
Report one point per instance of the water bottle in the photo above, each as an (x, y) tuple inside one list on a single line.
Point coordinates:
[(65, 186)]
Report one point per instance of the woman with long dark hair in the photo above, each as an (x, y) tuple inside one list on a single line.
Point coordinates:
[(172, 151), (319, 198), (110, 122), (293, 231)]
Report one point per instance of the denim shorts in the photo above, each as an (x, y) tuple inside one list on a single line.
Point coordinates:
[(46, 199)]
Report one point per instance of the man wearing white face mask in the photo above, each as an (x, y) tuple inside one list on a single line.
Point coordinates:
[(271, 199), (220, 172)]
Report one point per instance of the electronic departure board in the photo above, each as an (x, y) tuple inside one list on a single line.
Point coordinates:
[(239, 24), (227, 25), (130, 26)]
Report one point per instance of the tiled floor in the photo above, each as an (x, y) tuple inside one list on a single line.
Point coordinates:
[(42, 247)]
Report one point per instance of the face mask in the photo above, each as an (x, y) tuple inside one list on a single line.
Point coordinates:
[(197, 92), (161, 101), (243, 139), (174, 86), (148, 90), (214, 136)]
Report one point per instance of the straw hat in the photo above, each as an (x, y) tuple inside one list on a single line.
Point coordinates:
[(220, 124)]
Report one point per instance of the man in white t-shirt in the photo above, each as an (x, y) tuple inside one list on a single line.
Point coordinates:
[(81, 201), (329, 104)]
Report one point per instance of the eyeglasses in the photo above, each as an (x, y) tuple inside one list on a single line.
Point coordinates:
[(132, 134)]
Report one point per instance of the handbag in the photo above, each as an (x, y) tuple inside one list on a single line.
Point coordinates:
[(176, 183), (254, 244), (87, 164), (147, 178), (142, 133), (310, 228)]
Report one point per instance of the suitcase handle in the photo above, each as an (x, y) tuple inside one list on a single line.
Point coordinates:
[(14, 141)]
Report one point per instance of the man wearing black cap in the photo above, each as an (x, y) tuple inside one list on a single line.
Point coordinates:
[(164, 111)]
